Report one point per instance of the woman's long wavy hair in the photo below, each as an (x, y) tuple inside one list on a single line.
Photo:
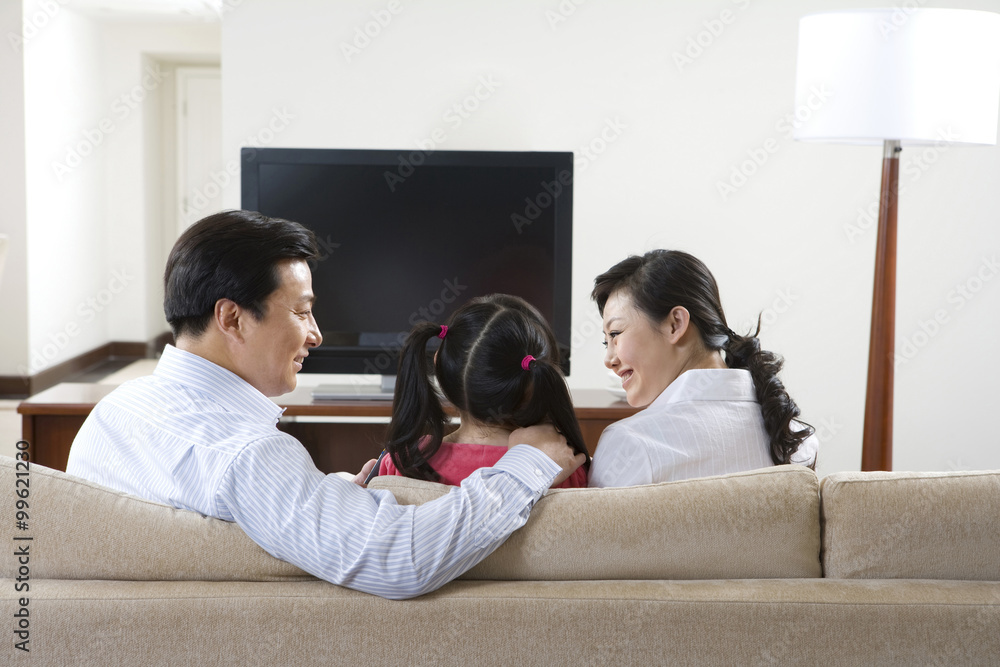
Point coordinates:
[(478, 367), (661, 280)]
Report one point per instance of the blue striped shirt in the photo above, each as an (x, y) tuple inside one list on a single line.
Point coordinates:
[(196, 436)]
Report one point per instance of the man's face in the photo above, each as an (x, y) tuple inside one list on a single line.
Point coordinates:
[(276, 344)]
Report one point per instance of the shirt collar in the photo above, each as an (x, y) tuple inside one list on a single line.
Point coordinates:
[(709, 384), (222, 386)]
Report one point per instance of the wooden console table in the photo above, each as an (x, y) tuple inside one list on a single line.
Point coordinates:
[(340, 435)]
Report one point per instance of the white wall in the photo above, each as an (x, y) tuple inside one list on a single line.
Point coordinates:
[(782, 243), (66, 171), (93, 180), (14, 286), (139, 62)]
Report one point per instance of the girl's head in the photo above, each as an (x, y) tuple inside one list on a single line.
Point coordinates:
[(483, 369), (661, 310)]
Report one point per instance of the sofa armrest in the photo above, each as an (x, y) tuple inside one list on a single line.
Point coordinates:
[(912, 525)]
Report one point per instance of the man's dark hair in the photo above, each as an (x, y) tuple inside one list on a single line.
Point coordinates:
[(230, 255)]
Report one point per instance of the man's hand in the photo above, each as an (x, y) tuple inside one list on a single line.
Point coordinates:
[(546, 438), (360, 478)]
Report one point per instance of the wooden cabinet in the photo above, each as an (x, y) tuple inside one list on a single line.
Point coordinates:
[(340, 435)]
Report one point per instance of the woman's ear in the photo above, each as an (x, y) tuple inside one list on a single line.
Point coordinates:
[(675, 325)]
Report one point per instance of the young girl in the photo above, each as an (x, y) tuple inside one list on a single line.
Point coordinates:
[(497, 363)]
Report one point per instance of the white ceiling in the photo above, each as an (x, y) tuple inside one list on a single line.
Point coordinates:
[(151, 10)]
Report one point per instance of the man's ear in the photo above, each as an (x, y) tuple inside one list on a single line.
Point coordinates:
[(675, 325), (228, 319)]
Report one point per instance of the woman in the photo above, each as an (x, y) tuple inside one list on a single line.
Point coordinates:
[(705, 414)]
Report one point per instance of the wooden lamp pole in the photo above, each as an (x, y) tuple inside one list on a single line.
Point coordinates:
[(876, 449)]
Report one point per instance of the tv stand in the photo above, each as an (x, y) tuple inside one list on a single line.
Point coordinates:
[(356, 391), (339, 435)]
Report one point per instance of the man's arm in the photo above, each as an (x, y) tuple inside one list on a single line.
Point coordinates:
[(362, 539)]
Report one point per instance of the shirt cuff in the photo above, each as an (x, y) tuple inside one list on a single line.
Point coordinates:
[(530, 466)]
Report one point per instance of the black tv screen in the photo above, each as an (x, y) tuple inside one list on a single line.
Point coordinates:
[(408, 236)]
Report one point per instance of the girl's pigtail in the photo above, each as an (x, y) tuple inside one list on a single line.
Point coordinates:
[(416, 409), (548, 399)]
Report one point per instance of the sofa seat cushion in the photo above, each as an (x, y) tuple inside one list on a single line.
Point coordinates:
[(748, 622), (912, 525), (758, 524)]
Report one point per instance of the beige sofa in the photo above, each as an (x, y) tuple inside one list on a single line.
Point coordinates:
[(766, 567)]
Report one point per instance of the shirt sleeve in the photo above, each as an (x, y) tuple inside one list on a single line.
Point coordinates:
[(363, 539), (621, 459)]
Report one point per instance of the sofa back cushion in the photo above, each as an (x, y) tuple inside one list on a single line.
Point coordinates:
[(751, 525), (912, 525), (759, 524), (83, 530)]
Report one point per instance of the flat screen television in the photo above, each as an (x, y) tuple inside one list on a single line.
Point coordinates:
[(407, 236)]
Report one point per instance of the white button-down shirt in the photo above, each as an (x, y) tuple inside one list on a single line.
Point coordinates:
[(707, 422), (196, 436)]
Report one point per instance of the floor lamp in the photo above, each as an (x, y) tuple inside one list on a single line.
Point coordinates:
[(896, 77)]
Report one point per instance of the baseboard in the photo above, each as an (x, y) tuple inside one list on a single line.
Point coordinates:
[(15, 386)]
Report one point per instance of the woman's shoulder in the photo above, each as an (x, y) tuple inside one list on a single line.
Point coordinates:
[(651, 414)]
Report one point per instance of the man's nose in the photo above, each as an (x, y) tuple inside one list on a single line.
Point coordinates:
[(315, 337)]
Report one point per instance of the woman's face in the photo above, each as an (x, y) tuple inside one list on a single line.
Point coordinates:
[(639, 352)]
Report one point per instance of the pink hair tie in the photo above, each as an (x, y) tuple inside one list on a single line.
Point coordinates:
[(526, 361), (444, 331)]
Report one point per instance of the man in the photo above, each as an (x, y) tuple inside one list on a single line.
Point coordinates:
[(200, 433)]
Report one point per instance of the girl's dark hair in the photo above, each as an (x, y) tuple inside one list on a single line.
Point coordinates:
[(229, 255), (661, 280), (478, 367)]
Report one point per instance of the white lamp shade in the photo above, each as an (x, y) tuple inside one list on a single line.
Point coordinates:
[(918, 76)]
